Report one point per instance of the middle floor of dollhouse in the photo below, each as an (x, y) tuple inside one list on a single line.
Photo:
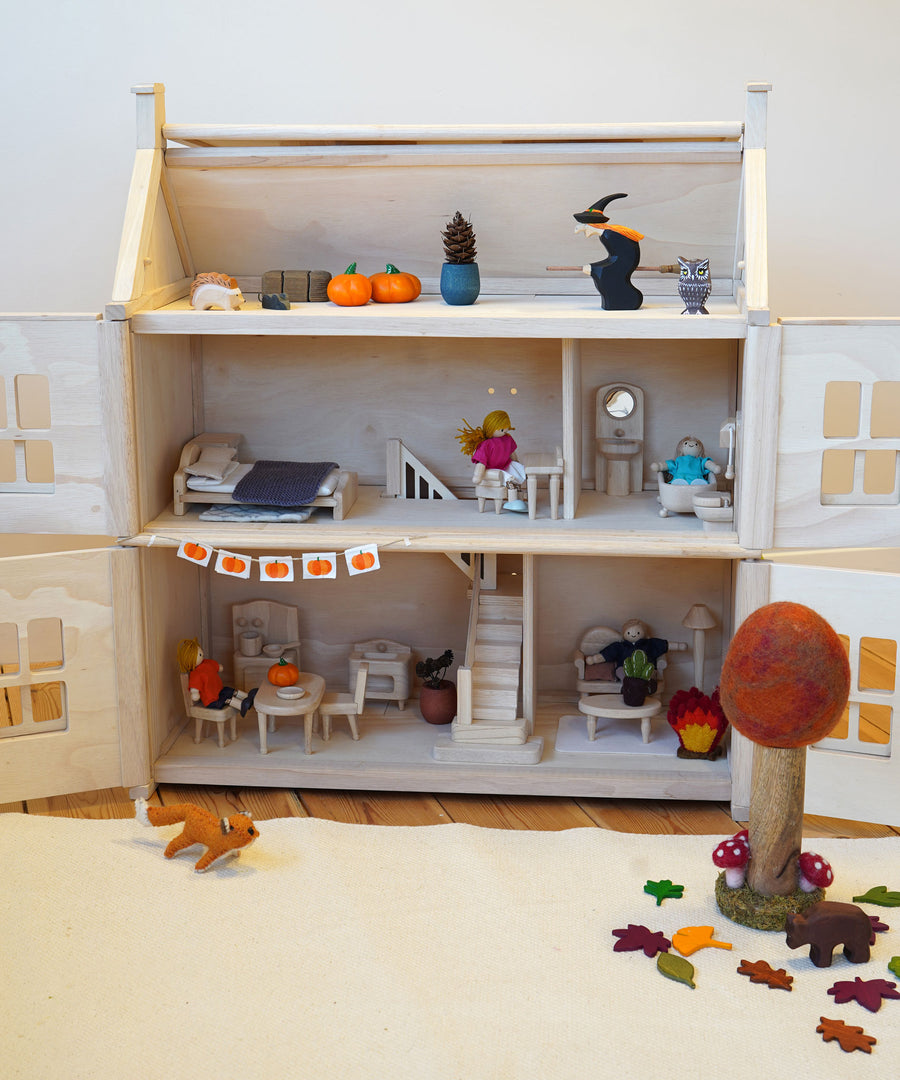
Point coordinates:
[(388, 409)]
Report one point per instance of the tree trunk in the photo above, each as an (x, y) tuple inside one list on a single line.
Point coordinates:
[(776, 819)]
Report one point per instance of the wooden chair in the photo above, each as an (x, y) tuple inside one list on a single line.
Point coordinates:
[(340, 704), (590, 681), (199, 714)]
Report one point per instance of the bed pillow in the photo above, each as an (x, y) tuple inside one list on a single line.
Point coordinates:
[(330, 482), (603, 672), (213, 462)]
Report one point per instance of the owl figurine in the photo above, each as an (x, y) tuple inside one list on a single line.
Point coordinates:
[(694, 285)]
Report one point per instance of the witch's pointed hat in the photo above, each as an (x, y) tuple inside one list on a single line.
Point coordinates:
[(594, 214)]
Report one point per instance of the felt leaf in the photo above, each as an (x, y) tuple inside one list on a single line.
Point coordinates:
[(849, 1038), (894, 965), (868, 992), (879, 895), (640, 937), (762, 972), (878, 927), (664, 890), (689, 939), (674, 967)]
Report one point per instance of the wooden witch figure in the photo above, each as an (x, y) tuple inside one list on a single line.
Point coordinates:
[(612, 275)]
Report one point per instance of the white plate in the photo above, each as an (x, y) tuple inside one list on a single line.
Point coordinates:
[(290, 692)]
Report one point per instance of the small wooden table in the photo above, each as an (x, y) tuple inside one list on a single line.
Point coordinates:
[(612, 707), (542, 464), (268, 705)]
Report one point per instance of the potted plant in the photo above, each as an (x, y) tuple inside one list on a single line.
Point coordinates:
[(437, 696), (638, 678), (460, 281)]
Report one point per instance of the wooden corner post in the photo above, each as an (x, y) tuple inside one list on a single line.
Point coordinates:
[(151, 115)]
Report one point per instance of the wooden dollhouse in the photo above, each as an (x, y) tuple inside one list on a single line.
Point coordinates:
[(100, 413)]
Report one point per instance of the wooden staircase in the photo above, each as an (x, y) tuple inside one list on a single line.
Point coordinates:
[(495, 668), (488, 726)]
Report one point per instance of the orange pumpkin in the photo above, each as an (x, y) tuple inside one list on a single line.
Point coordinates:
[(283, 673), (362, 560), (233, 565), (318, 567), (349, 289), (394, 287), (194, 551), (276, 569)]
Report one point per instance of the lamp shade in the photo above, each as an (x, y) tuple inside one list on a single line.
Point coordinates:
[(699, 618)]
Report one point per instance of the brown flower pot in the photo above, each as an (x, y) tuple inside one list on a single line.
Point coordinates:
[(438, 704)]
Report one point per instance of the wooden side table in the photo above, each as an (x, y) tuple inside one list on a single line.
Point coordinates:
[(543, 464), (612, 707)]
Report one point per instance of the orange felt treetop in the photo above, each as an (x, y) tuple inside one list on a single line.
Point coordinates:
[(786, 677)]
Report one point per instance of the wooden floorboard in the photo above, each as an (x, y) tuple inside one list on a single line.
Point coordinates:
[(537, 813)]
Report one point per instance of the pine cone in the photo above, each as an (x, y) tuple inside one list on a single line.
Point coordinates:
[(459, 240)]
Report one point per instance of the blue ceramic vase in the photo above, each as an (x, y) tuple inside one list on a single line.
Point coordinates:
[(460, 283)]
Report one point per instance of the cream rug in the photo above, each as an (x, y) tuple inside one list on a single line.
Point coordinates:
[(346, 951)]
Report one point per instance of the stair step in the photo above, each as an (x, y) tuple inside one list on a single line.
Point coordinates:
[(493, 712), (508, 632), (501, 607), (497, 652), (495, 676), (527, 753), (510, 731)]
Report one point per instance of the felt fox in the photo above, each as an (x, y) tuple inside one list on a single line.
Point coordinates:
[(220, 836)]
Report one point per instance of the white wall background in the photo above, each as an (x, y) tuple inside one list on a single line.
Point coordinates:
[(66, 67)]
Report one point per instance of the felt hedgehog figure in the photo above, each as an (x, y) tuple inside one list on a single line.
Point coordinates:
[(220, 836)]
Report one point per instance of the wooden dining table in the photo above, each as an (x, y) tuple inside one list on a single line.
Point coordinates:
[(268, 705)]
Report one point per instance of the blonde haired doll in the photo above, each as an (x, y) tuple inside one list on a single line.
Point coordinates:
[(492, 447), (204, 682)]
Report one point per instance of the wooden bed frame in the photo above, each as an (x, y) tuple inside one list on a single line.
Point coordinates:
[(340, 501)]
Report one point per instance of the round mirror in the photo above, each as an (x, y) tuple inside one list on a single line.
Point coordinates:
[(619, 402)]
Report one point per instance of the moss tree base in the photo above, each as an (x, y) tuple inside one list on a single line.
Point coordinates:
[(750, 908)]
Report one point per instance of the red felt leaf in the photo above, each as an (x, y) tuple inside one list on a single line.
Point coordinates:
[(868, 992), (636, 937)]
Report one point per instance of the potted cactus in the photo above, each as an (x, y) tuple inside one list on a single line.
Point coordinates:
[(638, 678), (460, 281), (437, 696)]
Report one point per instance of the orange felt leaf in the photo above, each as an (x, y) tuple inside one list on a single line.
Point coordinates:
[(849, 1038), (762, 972), (689, 939)]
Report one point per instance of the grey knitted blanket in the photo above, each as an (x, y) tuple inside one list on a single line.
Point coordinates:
[(282, 483)]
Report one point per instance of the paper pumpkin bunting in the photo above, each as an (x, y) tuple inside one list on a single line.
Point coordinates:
[(276, 568), (200, 554), (319, 565), (233, 565), (362, 560)]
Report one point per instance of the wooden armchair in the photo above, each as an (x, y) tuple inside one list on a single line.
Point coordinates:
[(340, 704), (199, 714), (601, 678)]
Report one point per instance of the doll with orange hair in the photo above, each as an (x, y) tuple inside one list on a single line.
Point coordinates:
[(492, 447), (204, 681)]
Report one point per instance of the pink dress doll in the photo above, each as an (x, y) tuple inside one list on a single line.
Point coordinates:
[(492, 447)]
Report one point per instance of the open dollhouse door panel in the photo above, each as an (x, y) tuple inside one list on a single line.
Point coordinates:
[(855, 771), (838, 468), (72, 685), (65, 459)]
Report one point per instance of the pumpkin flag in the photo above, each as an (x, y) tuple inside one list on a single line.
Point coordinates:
[(319, 565), (276, 568), (362, 560), (232, 565), (194, 552)]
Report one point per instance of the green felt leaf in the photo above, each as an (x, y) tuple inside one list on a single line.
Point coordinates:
[(664, 890), (677, 968), (879, 894), (894, 965)]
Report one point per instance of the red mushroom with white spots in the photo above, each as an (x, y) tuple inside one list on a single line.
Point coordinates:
[(815, 872), (732, 856)]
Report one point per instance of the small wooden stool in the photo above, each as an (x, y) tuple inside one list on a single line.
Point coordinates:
[(612, 707)]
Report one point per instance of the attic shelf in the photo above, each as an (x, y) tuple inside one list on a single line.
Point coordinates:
[(577, 317)]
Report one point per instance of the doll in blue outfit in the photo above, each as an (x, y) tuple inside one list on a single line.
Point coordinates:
[(689, 466)]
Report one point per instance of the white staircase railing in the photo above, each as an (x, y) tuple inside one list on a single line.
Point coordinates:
[(406, 477)]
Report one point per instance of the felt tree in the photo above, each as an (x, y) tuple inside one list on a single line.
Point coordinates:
[(785, 682)]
